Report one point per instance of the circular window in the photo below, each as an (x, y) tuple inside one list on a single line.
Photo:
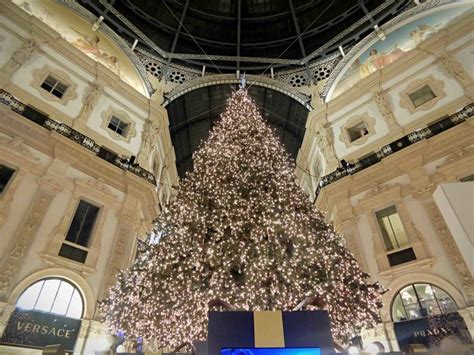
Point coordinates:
[(298, 80), (56, 296), (419, 301)]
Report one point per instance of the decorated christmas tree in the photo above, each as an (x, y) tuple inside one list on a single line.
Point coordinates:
[(242, 231)]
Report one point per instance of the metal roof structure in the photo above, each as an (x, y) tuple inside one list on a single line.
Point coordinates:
[(192, 116), (182, 40), (245, 35)]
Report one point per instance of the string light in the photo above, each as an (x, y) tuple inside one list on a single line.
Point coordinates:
[(241, 230)]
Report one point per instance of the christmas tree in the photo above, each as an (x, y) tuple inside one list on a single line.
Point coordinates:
[(242, 231)]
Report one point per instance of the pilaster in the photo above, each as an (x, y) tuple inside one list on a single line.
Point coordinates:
[(6, 311), (128, 226), (48, 188)]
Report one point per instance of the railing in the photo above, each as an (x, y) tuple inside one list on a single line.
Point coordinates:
[(402, 143), (77, 137)]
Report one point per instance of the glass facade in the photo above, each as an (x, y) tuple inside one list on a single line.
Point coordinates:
[(392, 229), (421, 300), (55, 296)]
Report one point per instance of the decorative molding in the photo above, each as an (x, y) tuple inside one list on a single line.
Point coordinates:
[(377, 189), (351, 122), (417, 265), (98, 185), (425, 191), (98, 194), (123, 116), (17, 145), (220, 79), (451, 247), (38, 77), (457, 155), (23, 238), (435, 85)]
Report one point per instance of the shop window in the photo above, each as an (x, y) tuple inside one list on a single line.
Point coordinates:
[(391, 227), (56, 296), (54, 86), (357, 131), (75, 247), (6, 175), (421, 300), (464, 179), (421, 96), (118, 126)]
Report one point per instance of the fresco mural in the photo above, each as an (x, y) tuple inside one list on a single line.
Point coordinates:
[(78, 32), (396, 45)]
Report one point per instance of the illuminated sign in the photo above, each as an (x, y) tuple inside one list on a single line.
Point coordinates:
[(432, 330), (37, 329)]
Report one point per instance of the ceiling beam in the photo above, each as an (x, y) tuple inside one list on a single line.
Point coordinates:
[(180, 26), (239, 24), (300, 39), (297, 28)]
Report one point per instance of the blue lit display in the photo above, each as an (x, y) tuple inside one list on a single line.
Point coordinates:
[(272, 351)]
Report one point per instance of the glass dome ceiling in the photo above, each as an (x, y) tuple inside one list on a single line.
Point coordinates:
[(244, 34)]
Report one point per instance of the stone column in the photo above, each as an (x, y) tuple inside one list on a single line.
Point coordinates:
[(48, 188)]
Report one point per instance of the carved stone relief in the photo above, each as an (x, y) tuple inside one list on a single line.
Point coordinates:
[(89, 101), (150, 136), (18, 58), (385, 109)]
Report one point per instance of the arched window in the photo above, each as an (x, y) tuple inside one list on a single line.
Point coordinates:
[(421, 300), (56, 296)]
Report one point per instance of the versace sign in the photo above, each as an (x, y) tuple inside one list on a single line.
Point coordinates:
[(37, 329)]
